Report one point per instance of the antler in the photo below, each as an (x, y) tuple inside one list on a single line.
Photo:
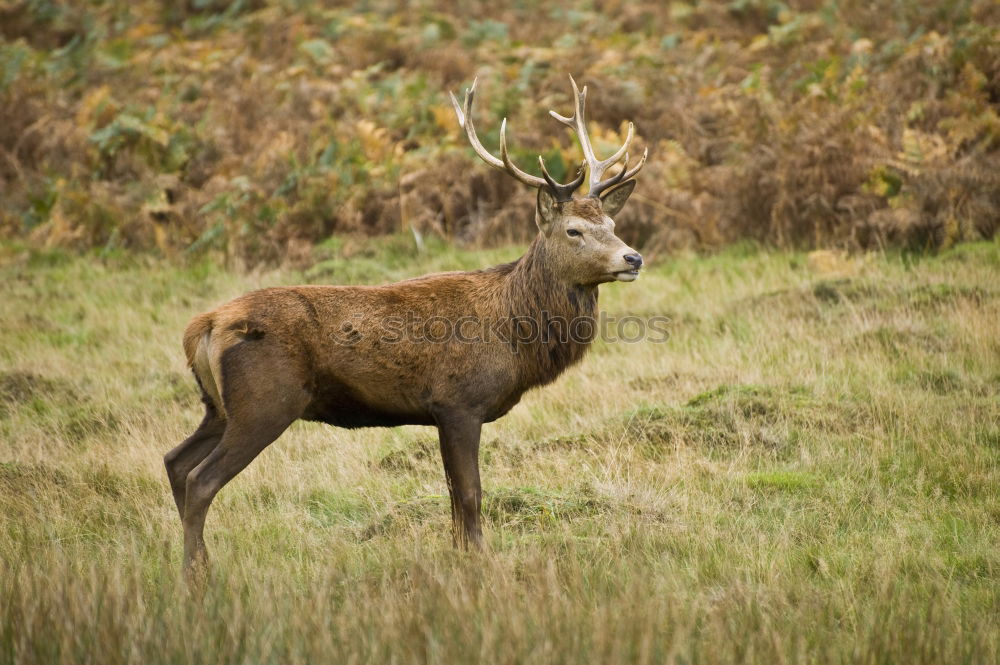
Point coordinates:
[(578, 124), (562, 192)]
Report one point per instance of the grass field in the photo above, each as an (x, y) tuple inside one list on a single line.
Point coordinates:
[(807, 471)]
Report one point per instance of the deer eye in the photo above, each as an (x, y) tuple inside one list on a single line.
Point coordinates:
[(573, 233)]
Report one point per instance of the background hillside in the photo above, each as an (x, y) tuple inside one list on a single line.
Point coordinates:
[(259, 128)]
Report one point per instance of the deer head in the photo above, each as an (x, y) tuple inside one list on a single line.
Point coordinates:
[(577, 234)]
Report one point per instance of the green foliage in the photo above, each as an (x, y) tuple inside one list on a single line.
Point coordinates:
[(860, 125)]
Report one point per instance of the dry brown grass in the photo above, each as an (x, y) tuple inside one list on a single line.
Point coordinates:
[(807, 471)]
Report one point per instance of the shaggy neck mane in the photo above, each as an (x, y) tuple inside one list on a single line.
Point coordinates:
[(552, 321)]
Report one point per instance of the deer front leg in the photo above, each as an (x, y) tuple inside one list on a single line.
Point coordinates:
[(459, 436)]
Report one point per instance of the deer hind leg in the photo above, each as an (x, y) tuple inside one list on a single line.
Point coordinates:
[(189, 454), (263, 396)]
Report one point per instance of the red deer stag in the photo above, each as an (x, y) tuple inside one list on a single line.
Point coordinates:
[(368, 356)]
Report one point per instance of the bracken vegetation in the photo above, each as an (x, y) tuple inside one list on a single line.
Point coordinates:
[(807, 470), (258, 128)]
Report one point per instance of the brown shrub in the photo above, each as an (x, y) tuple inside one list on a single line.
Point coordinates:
[(259, 130)]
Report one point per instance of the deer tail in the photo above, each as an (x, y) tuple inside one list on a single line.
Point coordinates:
[(195, 332)]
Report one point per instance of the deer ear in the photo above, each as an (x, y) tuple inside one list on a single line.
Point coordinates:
[(614, 199), (546, 209)]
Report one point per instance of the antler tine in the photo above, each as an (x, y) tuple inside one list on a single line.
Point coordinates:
[(625, 174), (526, 178), (578, 123), (464, 113), (465, 121), (613, 159), (563, 192), (631, 173), (595, 190)]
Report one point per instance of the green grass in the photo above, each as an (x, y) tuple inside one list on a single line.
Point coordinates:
[(808, 470)]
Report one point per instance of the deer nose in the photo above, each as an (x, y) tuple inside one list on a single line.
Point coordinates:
[(634, 260)]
